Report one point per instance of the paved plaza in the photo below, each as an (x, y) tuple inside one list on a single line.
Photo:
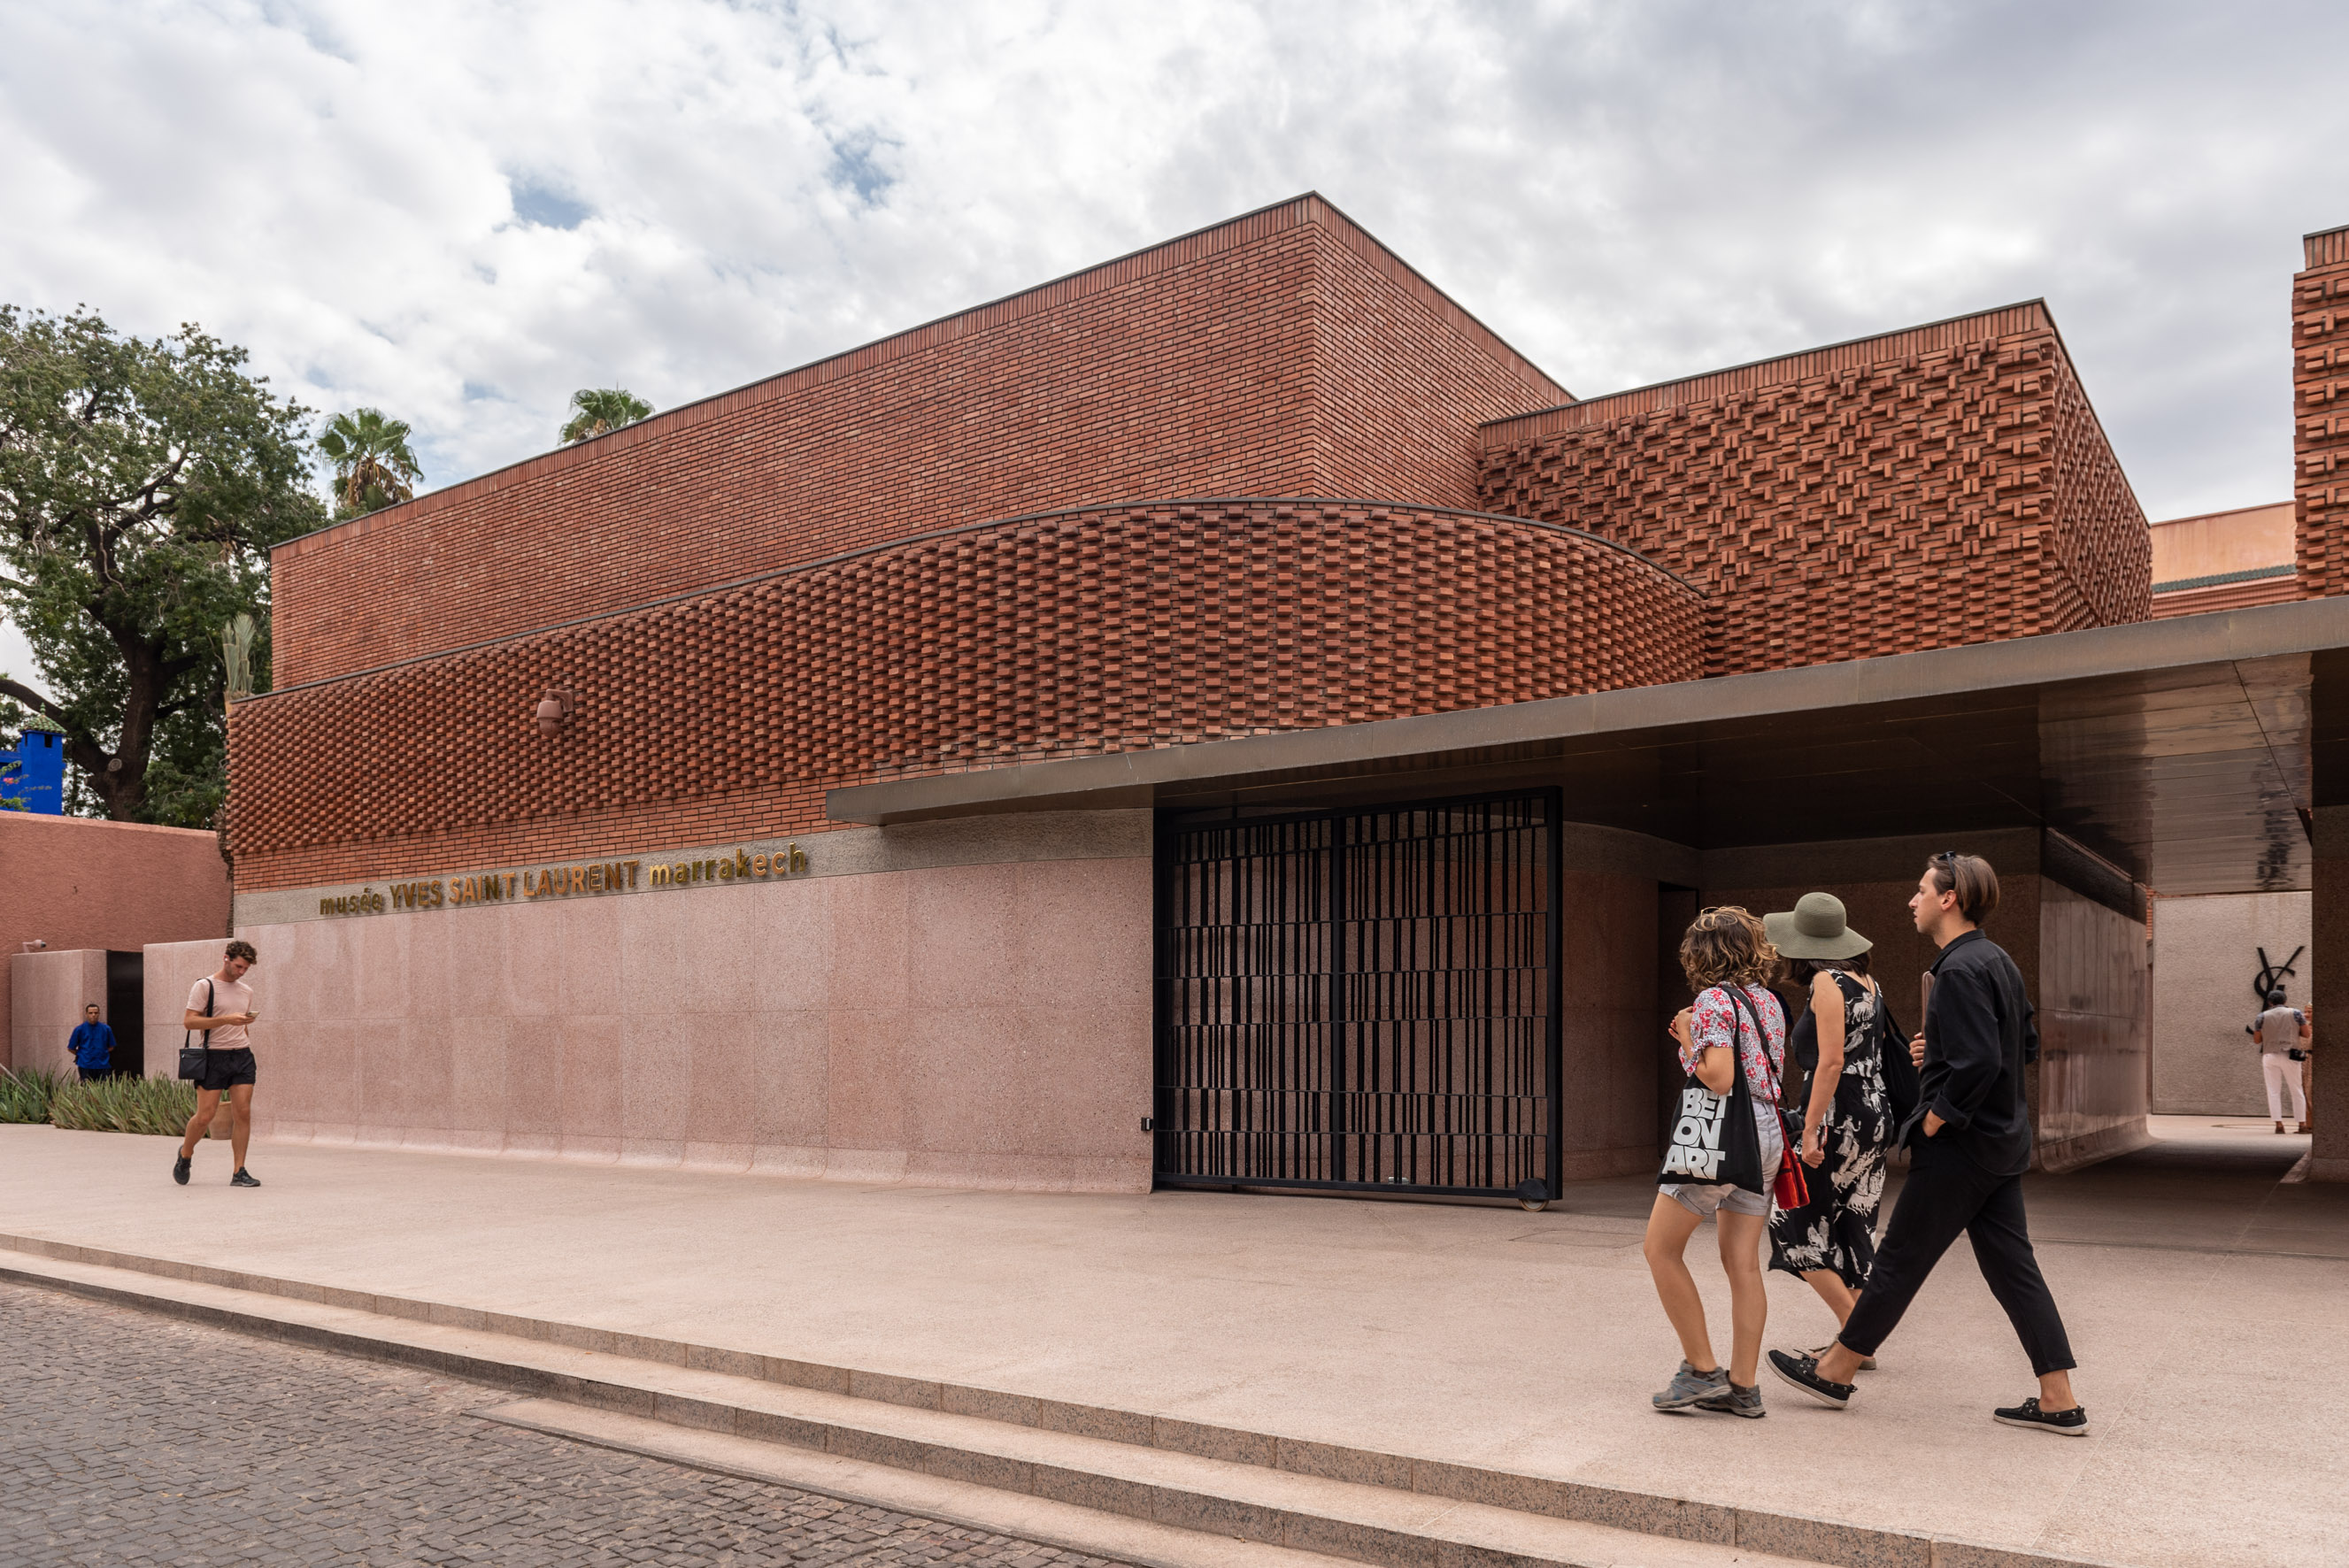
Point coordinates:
[(129, 1439), (2203, 1292)]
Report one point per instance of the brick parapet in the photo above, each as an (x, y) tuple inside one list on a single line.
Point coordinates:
[(1212, 364), (2320, 387), (728, 713), (1943, 485)]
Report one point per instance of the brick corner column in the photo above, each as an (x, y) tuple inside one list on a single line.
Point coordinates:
[(2320, 413)]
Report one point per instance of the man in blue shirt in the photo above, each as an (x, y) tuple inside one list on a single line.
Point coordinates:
[(92, 1045)]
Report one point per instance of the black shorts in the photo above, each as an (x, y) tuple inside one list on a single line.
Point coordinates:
[(224, 1069)]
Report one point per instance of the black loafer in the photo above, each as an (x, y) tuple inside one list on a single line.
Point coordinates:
[(180, 1169), (1803, 1372), (243, 1178), (2070, 1423)]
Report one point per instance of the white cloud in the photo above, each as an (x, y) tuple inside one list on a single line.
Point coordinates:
[(462, 212)]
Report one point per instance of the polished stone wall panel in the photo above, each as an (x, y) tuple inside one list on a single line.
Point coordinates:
[(2095, 1078), (972, 1025), (47, 992)]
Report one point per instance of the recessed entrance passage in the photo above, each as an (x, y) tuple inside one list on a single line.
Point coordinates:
[(1362, 1000)]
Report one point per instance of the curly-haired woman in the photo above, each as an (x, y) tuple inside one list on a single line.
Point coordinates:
[(1735, 1027)]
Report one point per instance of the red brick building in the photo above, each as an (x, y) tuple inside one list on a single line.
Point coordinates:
[(1261, 487)]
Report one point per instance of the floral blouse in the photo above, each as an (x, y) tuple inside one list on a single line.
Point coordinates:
[(1718, 1019)]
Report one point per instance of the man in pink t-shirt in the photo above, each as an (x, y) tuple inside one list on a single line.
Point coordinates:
[(220, 1006)]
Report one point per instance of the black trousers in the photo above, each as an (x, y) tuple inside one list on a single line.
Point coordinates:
[(1947, 1193)]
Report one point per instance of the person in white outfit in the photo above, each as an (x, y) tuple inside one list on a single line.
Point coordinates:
[(2282, 1033)]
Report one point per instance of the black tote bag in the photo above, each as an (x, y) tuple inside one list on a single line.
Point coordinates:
[(1713, 1138)]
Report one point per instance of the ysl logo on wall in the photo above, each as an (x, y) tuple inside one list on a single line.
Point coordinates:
[(2273, 974)]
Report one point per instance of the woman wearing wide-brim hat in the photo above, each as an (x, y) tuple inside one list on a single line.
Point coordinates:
[(1847, 1124)]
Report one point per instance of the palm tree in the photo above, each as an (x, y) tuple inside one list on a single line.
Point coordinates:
[(373, 467), (601, 410)]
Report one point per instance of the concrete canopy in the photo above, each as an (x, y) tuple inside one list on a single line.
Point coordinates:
[(2182, 751)]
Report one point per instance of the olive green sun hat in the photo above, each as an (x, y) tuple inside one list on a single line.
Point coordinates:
[(1816, 928)]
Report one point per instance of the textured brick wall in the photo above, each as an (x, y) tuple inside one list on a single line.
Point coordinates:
[(2320, 385), (1283, 352), (1112, 629), (1943, 485)]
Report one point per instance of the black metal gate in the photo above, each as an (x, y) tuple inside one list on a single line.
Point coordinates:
[(1361, 999)]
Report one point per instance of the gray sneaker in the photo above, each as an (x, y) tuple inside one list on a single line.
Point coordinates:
[(1688, 1386), (1738, 1401)]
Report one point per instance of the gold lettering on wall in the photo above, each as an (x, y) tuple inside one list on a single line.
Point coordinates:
[(584, 879)]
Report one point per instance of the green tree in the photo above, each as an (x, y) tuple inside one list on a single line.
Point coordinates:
[(373, 467), (598, 411), (141, 485)]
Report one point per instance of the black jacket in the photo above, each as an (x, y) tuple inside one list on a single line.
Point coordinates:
[(1978, 1034)]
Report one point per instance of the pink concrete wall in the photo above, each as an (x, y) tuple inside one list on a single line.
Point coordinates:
[(45, 995), (980, 1026), (78, 883)]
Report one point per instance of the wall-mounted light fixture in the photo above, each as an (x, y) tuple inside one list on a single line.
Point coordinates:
[(553, 708), (36, 945)]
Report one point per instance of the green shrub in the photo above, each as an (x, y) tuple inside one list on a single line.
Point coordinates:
[(24, 1096), (150, 1104)]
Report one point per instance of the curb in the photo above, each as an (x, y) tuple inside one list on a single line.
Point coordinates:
[(1830, 1541)]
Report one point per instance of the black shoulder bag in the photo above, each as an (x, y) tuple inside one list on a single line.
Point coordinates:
[(192, 1058), (1713, 1138), (1901, 1085)]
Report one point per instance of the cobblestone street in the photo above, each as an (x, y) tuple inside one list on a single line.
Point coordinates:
[(127, 1438)]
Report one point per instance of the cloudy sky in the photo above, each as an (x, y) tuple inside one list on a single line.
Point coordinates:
[(460, 213)]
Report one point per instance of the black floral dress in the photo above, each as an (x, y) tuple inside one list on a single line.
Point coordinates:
[(1836, 1229)]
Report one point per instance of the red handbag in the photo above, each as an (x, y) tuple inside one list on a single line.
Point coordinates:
[(1791, 1190)]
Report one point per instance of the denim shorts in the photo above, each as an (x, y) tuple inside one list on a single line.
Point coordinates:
[(1705, 1199)]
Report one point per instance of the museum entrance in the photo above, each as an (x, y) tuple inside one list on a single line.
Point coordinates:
[(1359, 1000)]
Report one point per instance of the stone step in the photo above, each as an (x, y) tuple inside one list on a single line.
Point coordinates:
[(1274, 1494), (1466, 1535)]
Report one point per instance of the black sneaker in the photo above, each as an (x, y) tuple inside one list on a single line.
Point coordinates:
[(243, 1178), (1803, 1372), (2070, 1423), (180, 1169)]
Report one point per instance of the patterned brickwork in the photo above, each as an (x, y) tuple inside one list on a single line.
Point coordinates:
[(726, 714), (2319, 408), (1283, 352), (1944, 485)]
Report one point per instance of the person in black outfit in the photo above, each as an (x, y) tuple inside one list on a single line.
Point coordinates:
[(1969, 1143)]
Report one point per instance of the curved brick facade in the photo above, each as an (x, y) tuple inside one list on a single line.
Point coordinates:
[(1943, 485), (1109, 629)]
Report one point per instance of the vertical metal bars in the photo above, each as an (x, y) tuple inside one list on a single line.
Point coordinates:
[(1360, 999)]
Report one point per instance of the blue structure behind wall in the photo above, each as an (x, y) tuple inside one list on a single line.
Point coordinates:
[(34, 770)]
